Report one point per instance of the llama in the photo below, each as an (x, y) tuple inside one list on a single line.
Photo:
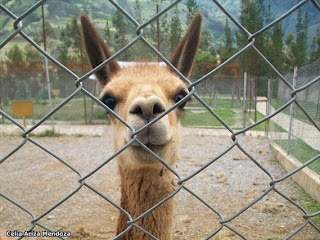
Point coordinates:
[(138, 94)]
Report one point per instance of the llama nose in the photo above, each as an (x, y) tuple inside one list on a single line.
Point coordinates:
[(147, 108)]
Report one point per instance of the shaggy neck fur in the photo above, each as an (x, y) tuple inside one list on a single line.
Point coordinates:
[(142, 189)]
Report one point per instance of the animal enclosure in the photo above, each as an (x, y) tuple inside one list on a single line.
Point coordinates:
[(50, 184)]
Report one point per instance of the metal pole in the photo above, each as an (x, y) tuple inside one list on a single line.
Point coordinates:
[(294, 80), (255, 86), (49, 89), (92, 102), (158, 30), (268, 107), (244, 99), (43, 29), (82, 68), (46, 65)]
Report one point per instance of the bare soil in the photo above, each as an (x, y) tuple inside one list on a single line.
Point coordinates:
[(37, 181)]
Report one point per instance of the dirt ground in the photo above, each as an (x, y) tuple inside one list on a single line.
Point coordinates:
[(38, 181)]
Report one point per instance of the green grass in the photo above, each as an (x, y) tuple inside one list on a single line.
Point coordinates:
[(273, 126), (311, 108), (48, 133), (73, 111), (219, 103), (206, 119), (311, 206), (302, 151)]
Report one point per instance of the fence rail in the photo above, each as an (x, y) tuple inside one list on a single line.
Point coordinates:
[(79, 88)]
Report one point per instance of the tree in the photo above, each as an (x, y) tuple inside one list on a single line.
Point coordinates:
[(165, 35), (33, 56), (301, 38), (70, 38), (206, 51), (15, 59), (50, 35), (315, 46), (296, 46), (119, 23), (252, 17), (107, 33), (14, 62), (228, 49), (175, 29), (290, 49), (277, 57), (138, 11), (192, 10)]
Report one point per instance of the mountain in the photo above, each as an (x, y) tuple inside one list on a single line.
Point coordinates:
[(58, 11)]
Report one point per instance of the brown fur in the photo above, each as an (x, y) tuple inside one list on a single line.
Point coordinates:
[(142, 93), (145, 188)]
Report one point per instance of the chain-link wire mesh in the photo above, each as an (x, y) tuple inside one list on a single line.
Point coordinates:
[(292, 98)]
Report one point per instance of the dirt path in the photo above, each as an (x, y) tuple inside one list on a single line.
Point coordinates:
[(38, 181)]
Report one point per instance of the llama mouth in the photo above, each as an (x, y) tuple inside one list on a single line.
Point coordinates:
[(152, 147), (145, 156)]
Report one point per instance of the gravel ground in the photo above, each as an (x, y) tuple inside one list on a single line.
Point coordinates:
[(38, 181)]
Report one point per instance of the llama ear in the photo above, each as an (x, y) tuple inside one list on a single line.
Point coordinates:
[(97, 51), (184, 55)]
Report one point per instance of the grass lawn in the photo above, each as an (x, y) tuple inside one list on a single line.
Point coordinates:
[(302, 151), (273, 126), (218, 103), (311, 206), (72, 112), (311, 108), (206, 119)]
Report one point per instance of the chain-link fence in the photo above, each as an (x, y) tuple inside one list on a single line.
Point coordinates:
[(293, 130), (81, 84)]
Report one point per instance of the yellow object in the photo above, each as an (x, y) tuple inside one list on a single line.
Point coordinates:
[(22, 109), (56, 92)]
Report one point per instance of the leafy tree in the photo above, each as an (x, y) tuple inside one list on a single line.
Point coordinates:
[(33, 56), (228, 49), (70, 38), (290, 49), (301, 38), (165, 36), (192, 10), (107, 33), (315, 46), (206, 52), (252, 17), (296, 46), (119, 23), (138, 11), (277, 57), (175, 29), (14, 62), (50, 34), (15, 58)]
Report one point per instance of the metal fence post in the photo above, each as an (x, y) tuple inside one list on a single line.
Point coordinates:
[(49, 89), (244, 99), (268, 107), (294, 81)]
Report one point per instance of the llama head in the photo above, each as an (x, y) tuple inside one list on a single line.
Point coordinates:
[(139, 94)]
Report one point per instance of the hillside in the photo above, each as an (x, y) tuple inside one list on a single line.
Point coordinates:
[(57, 13)]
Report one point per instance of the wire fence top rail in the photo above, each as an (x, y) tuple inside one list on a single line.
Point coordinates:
[(83, 179)]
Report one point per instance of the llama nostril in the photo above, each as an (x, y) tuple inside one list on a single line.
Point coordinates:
[(158, 108), (147, 108), (137, 110)]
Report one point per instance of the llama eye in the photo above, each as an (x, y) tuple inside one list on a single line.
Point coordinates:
[(179, 97), (109, 101)]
